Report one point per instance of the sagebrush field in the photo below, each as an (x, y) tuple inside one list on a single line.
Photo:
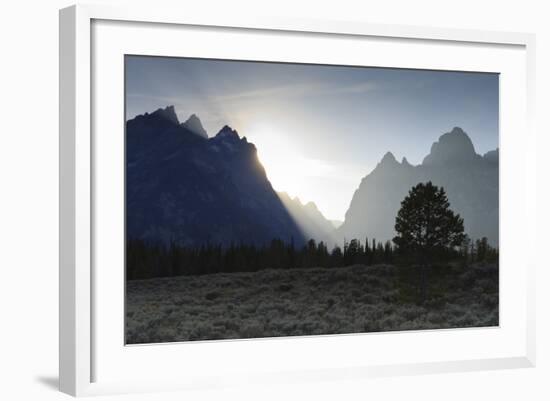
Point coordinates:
[(294, 302)]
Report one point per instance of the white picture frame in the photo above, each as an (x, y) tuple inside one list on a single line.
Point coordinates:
[(82, 345)]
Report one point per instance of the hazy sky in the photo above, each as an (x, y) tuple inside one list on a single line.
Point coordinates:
[(320, 129)]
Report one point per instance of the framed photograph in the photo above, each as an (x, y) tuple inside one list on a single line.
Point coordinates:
[(273, 200)]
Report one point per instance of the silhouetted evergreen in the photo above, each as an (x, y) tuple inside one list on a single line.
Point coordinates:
[(427, 229), (147, 260), (425, 224)]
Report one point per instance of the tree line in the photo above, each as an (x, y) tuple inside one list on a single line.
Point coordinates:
[(428, 232), (146, 260)]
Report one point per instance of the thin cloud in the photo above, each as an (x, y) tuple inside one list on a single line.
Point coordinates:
[(299, 90), (276, 91)]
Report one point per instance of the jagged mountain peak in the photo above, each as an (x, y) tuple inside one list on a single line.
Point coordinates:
[(311, 206), (388, 158), (309, 218), (451, 148), (181, 187), (227, 132), (470, 181), (193, 124), (168, 113)]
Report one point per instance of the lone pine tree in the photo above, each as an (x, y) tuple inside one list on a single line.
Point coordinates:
[(426, 226)]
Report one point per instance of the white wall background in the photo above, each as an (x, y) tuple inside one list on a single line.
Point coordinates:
[(29, 200)]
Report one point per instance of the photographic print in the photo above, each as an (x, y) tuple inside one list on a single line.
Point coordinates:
[(271, 199)]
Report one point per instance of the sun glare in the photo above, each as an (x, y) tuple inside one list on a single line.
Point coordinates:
[(287, 168)]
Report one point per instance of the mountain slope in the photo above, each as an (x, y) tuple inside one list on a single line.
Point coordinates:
[(470, 180), (184, 187), (193, 124), (309, 219)]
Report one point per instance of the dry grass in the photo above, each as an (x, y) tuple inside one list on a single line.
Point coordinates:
[(295, 302)]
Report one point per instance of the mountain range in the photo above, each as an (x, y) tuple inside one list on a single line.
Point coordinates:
[(470, 180), (185, 187), (310, 219)]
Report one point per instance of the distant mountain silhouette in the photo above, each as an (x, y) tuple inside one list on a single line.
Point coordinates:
[(184, 187), (194, 125), (470, 180), (452, 148), (491, 157), (310, 220)]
